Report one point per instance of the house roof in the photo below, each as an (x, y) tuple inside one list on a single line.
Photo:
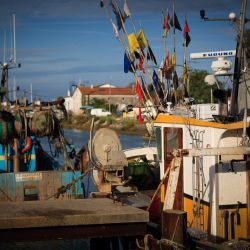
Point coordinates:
[(106, 91)]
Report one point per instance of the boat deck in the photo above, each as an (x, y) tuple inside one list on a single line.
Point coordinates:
[(82, 218)]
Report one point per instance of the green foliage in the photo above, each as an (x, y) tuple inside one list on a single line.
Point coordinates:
[(128, 124), (107, 120), (247, 38), (199, 90), (103, 104), (98, 103)]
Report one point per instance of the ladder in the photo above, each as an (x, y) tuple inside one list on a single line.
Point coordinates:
[(198, 183)]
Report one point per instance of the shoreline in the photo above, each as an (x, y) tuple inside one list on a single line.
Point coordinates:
[(118, 126)]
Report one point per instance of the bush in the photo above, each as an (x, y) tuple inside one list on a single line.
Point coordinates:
[(128, 124)]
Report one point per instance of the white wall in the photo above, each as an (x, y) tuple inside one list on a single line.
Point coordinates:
[(74, 102)]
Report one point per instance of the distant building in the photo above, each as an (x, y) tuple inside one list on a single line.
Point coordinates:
[(83, 96), (106, 85)]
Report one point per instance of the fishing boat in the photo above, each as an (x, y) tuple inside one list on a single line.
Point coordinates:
[(42, 198), (203, 149)]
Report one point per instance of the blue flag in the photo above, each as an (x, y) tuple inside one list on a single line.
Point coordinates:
[(127, 64), (155, 78)]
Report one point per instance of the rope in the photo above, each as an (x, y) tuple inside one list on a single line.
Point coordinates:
[(8, 197), (63, 189), (166, 242)]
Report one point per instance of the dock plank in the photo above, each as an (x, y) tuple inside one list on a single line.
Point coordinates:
[(62, 213)]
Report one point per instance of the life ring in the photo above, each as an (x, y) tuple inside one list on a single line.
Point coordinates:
[(28, 144)]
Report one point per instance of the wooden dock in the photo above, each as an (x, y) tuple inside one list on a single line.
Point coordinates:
[(83, 218)]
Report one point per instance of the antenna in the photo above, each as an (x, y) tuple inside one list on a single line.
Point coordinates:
[(14, 38), (31, 94), (221, 67), (14, 88), (213, 54), (4, 47)]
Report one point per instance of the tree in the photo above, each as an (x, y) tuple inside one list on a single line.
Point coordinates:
[(102, 103), (247, 38), (199, 90)]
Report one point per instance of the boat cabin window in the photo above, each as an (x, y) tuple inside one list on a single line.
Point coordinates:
[(172, 140), (158, 142)]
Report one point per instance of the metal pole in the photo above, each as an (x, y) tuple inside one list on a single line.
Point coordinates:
[(16, 157), (238, 60)]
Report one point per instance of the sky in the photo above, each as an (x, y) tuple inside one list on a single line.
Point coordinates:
[(63, 41)]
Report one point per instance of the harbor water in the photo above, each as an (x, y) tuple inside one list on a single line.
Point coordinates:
[(78, 138)]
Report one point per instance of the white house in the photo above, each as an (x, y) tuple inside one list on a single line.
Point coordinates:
[(114, 95), (74, 102)]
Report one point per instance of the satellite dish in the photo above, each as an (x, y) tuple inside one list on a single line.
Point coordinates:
[(210, 80), (107, 149), (221, 67)]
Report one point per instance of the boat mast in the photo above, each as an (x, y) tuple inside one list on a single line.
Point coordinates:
[(238, 60), (4, 91)]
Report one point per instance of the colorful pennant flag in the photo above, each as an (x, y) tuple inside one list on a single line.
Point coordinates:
[(155, 78), (168, 61), (138, 90), (116, 33), (174, 22), (151, 56), (161, 92), (140, 119), (126, 11), (132, 41), (185, 33), (173, 59), (142, 39), (140, 64), (127, 64), (185, 72), (118, 15), (166, 26), (175, 81)]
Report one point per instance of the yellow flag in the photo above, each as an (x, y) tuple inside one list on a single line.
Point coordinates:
[(132, 41), (142, 39), (185, 72), (173, 59)]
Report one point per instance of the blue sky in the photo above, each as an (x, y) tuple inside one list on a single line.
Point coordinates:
[(59, 41)]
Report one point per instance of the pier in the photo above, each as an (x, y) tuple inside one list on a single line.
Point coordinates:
[(69, 219)]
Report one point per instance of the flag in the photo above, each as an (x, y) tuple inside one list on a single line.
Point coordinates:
[(185, 33), (126, 11), (174, 22), (173, 59), (102, 3), (140, 119), (185, 72), (155, 78), (116, 33), (118, 15), (151, 56), (140, 64), (127, 64), (175, 81), (168, 60), (166, 26), (161, 92), (142, 39), (132, 41), (138, 90)]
